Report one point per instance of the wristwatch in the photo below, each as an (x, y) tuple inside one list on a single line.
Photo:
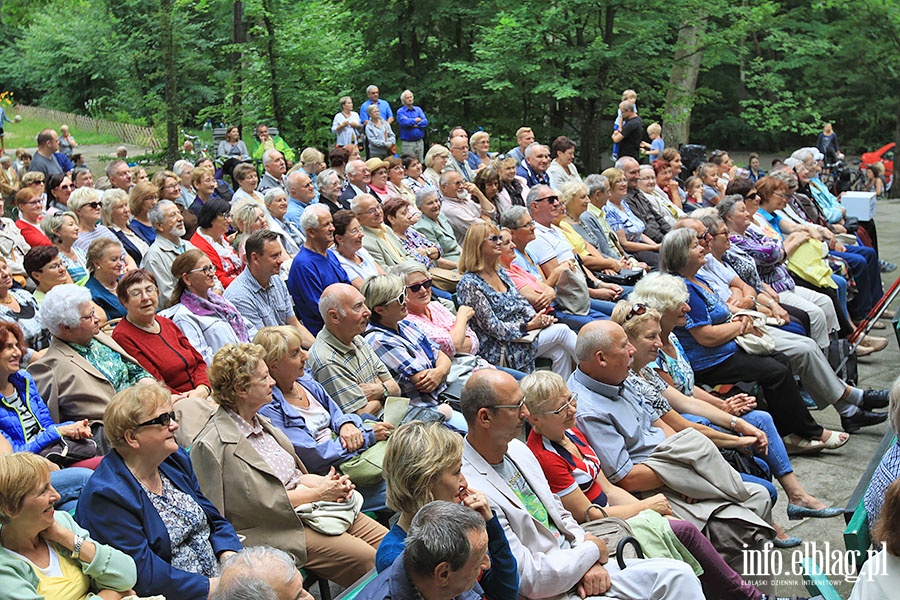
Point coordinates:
[(384, 391)]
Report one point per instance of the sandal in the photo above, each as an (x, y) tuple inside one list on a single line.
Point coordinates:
[(834, 440), (798, 446), (879, 325)]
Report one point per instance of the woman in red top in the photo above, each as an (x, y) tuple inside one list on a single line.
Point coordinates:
[(575, 475), (30, 206), (155, 341)]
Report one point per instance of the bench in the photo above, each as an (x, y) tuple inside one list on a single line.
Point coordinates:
[(817, 584), (353, 591)]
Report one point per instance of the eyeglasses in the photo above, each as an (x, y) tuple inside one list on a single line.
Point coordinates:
[(573, 400), (38, 182), (138, 292), (414, 288), (208, 269), (171, 186), (702, 237), (67, 188), (57, 265), (371, 211), (494, 239), (164, 419), (752, 196), (636, 310), (91, 316), (516, 407), (549, 199), (225, 215), (33, 202), (528, 225)]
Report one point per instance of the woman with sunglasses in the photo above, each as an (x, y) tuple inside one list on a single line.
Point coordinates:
[(511, 332), (575, 475), (85, 204), (415, 361), (58, 188), (144, 500)]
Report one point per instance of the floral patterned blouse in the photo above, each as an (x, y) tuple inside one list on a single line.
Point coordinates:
[(499, 320), (677, 367), (767, 253), (413, 241), (188, 529)]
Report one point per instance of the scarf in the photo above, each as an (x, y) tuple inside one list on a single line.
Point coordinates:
[(217, 306)]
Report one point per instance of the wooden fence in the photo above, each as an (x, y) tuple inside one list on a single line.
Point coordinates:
[(128, 133)]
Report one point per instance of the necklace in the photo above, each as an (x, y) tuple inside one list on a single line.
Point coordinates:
[(154, 328), (8, 300), (157, 485)]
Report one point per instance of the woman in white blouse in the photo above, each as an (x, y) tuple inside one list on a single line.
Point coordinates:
[(356, 260)]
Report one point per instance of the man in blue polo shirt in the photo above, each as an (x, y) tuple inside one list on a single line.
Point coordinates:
[(314, 268), (383, 107)]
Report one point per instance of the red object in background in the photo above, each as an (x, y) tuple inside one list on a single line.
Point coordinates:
[(885, 155)]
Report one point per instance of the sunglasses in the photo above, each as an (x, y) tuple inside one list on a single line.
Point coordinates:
[(164, 419), (91, 204), (549, 199), (414, 288), (636, 311), (401, 299), (703, 236), (495, 239)]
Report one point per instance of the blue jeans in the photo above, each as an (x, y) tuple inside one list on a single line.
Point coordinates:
[(863, 263), (374, 496), (777, 457), (518, 375), (68, 483), (841, 294), (600, 311)]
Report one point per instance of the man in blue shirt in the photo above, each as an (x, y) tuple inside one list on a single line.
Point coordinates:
[(314, 268), (383, 107), (413, 122), (300, 192)]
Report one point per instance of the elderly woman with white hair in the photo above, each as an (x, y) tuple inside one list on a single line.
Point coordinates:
[(83, 368), (435, 226), (435, 160), (415, 361), (116, 214), (85, 204), (292, 238)]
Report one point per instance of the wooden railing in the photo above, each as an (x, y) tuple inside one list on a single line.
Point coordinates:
[(128, 133)]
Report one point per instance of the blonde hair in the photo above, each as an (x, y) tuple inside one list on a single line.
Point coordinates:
[(143, 190), (629, 95), (20, 474), (231, 371), (276, 342), (96, 249), (472, 258), (416, 456), (477, 137), (540, 387), (130, 407), (110, 201), (654, 128), (199, 173), (569, 191), (613, 175), (434, 150), (636, 323)]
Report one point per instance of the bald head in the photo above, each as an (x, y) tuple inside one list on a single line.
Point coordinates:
[(603, 352), (484, 389)]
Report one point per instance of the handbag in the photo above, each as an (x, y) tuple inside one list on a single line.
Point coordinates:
[(444, 279), (756, 345), (424, 414), (611, 530), (67, 451), (330, 518), (365, 468), (461, 367), (627, 277)]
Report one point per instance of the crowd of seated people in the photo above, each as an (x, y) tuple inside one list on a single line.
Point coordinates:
[(220, 342)]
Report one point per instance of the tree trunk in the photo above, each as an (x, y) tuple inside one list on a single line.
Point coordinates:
[(271, 60), (237, 57), (170, 91), (682, 84)]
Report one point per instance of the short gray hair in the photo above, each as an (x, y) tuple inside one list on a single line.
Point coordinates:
[(511, 216), (355, 200), (534, 193), (309, 218), (424, 194), (786, 175), (407, 268), (712, 221), (331, 299), (180, 165), (326, 176), (242, 578), (440, 533), (62, 306), (728, 205), (590, 341), (372, 87), (81, 197), (804, 155), (660, 291), (596, 183), (156, 214), (352, 165), (625, 160), (273, 193), (532, 147), (675, 248), (539, 387), (111, 167), (269, 156), (477, 393)]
